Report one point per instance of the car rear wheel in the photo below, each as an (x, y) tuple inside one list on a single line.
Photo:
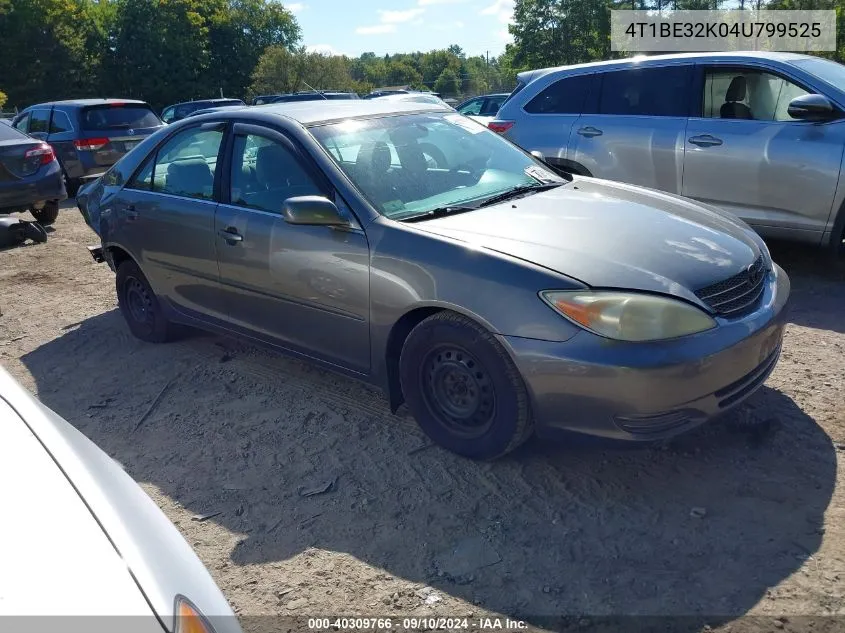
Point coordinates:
[(463, 389), (47, 214), (139, 304)]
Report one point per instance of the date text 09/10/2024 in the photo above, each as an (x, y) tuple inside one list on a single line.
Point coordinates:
[(340, 625)]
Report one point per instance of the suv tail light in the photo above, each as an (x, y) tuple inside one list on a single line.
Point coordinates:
[(500, 127), (90, 144), (43, 154)]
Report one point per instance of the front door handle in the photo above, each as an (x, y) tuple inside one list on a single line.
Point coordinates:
[(231, 235), (590, 131), (705, 140)]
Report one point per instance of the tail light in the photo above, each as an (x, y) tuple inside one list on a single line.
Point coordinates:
[(90, 144), (500, 127), (41, 155)]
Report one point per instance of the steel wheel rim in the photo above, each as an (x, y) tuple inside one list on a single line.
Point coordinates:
[(458, 391), (139, 302)]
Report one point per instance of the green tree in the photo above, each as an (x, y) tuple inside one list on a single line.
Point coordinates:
[(447, 83), (3, 99)]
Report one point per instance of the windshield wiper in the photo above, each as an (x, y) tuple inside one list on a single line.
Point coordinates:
[(440, 212), (519, 190)]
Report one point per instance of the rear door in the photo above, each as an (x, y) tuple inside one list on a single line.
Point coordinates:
[(303, 287), (165, 218), (635, 133), (548, 119), (747, 155), (62, 132), (110, 130)]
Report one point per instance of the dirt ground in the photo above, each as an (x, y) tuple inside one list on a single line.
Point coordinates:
[(329, 505)]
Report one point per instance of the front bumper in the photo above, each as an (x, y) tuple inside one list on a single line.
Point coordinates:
[(648, 391)]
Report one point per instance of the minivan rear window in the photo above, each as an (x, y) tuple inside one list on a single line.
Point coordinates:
[(118, 117)]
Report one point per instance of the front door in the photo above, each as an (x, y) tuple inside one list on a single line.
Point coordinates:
[(303, 287), (744, 153), (636, 131), (165, 216)]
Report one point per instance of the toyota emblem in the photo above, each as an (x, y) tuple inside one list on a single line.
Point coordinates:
[(130, 131), (755, 273)]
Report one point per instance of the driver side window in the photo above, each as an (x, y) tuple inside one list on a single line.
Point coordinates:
[(265, 173), (748, 94), (473, 108)]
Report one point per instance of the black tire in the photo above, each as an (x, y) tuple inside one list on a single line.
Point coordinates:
[(139, 305), (47, 214), (463, 389)]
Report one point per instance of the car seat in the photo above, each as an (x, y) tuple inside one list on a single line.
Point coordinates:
[(733, 108)]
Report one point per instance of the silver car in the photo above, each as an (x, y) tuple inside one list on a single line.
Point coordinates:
[(80, 538), (756, 134), (408, 246)]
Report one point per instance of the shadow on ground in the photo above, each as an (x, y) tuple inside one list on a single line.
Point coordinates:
[(702, 527), (818, 288)]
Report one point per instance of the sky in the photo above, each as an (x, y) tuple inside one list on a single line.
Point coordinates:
[(352, 27)]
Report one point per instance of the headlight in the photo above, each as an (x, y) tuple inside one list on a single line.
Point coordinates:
[(629, 316), (189, 619)]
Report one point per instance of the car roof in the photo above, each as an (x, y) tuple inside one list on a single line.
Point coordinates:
[(323, 111), (87, 102), (217, 100), (530, 75)]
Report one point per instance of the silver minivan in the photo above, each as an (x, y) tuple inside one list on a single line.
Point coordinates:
[(758, 134)]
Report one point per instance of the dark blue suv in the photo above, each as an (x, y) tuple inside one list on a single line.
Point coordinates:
[(88, 135)]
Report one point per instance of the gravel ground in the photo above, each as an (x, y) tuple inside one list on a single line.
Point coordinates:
[(329, 505)]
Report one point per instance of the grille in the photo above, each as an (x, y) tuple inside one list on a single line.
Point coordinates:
[(737, 295)]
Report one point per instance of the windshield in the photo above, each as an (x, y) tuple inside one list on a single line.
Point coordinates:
[(826, 70), (411, 164), (115, 116)]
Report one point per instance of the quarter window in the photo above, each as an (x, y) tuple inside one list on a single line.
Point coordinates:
[(646, 92), (60, 123), (747, 94), (265, 173), (565, 96)]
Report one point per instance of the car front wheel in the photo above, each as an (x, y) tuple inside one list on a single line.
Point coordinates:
[(463, 389), (139, 304)]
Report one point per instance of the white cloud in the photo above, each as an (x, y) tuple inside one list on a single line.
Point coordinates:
[(448, 26), (395, 17), (295, 7), (325, 49), (502, 9), (427, 3), (376, 29)]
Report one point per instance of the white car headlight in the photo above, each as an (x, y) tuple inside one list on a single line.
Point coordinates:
[(629, 316)]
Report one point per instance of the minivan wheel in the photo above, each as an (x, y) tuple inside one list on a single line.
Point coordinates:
[(463, 389), (47, 214), (139, 305)]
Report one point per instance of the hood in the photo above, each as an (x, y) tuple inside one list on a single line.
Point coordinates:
[(612, 235), (56, 558)]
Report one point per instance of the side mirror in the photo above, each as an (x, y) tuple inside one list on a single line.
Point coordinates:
[(812, 107), (538, 155), (312, 210)]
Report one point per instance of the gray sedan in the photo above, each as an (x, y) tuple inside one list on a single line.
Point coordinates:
[(408, 246)]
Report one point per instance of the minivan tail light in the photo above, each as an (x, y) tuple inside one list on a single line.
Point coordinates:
[(43, 153), (500, 127), (90, 144)]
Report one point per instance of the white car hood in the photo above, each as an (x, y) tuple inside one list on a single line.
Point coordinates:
[(56, 559)]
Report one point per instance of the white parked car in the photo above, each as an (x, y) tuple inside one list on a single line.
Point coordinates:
[(80, 537)]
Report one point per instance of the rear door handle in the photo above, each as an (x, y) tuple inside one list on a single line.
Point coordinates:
[(705, 140), (231, 235), (131, 213), (590, 131)]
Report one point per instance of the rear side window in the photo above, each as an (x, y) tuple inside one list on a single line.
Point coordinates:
[(119, 117), (565, 96), (60, 123), (40, 121), (646, 91)]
